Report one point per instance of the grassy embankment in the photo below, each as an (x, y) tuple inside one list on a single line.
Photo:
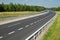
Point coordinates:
[(12, 14), (54, 31)]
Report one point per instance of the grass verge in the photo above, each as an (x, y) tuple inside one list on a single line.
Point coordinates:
[(13, 14), (54, 31)]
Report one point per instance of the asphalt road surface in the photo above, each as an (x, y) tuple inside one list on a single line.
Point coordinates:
[(20, 30)]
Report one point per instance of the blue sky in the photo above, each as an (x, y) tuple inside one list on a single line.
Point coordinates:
[(45, 3)]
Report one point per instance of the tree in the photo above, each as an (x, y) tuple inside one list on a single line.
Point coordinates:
[(19, 7), (2, 7)]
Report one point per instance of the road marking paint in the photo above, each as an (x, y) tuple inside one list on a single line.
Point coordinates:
[(11, 32), (43, 18), (13, 25), (35, 22), (1, 37), (40, 28), (26, 25), (20, 28), (40, 19), (31, 24)]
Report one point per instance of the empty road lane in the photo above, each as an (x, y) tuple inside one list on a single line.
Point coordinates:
[(20, 30)]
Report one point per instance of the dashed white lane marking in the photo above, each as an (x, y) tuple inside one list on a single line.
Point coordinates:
[(11, 32), (26, 25), (40, 20), (1, 37), (13, 25), (20, 28), (31, 23), (35, 22)]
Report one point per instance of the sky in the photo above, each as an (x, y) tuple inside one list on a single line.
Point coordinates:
[(45, 3)]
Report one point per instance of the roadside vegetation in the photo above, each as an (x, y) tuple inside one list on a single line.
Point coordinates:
[(54, 31), (23, 7), (14, 14), (11, 10), (19, 7)]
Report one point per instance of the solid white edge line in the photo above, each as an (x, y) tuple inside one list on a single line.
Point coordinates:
[(24, 18), (41, 27)]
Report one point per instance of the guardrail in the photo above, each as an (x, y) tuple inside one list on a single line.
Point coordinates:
[(40, 30)]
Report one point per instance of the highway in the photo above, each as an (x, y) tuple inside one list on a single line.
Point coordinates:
[(20, 30)]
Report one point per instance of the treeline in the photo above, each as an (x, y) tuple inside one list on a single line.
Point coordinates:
[(54, 9), (19, 7)]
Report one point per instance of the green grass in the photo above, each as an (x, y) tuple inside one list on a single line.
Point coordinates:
[(54, 31), (13, 14)]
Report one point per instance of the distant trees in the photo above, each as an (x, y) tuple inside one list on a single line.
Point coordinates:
[(54, 9), (19, 7), (58, 9), (2, 7)]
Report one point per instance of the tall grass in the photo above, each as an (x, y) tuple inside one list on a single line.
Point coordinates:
[(12, 14), (54, 31)]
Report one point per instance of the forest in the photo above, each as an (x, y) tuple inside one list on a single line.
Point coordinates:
[(23, 7), (19, 7)]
